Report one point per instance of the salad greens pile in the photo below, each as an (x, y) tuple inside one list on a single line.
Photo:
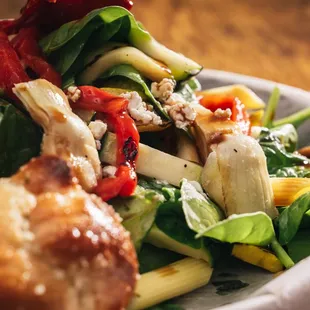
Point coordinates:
[(109, 49), (159, 216), (76, 46)]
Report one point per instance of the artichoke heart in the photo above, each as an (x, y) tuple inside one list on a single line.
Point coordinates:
[(65, 134), (235, 176)]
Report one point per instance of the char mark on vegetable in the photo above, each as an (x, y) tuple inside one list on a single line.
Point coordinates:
[(130, 149)]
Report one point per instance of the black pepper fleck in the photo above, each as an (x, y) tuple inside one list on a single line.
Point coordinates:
[(235, 150)]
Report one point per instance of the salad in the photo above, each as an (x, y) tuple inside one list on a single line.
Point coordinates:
[(123, 183)]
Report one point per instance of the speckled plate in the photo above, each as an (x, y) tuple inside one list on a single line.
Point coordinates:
[(291, 289)]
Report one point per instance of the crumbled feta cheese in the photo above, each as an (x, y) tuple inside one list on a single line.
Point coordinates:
[(73, 93), (164, 89), (223, 114), (138, 110), (98, 129), (108, 171), (174, 99), (182, 113)]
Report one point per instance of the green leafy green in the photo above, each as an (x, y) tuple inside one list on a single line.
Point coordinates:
[(187, 89), (200, 212), (108, 15), (271, 108), (250, 228), (138, 212), (277, 146), (286, 135), (131, 73), (161, 187), (299, 247), (20, 139), (66, 44), (170, 219), (152, 258), (305, 223), (65, 57), (290, 219), (292, 172)]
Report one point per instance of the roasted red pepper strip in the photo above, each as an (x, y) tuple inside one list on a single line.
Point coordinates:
[(11, 69), (51, 14), (112, 109), (238, 112), (25, 44)]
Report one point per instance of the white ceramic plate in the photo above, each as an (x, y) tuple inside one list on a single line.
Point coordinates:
[(286, 291)]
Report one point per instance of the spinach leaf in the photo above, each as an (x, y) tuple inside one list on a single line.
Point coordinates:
[(20, 139), (277, 146), (67, 32), (292, 172), (170, 220), (290, 219), (200, 212), (151, 258), (287, 135), (64, 58), (299, 247), (305, 223), (64, 45), (250, 228), (131, 73), (161, 187), (185, 90), (138, 212)]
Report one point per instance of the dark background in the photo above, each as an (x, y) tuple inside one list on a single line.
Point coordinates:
[(268, 39)]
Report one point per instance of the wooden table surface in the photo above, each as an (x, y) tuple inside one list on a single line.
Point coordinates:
[(264, 38)]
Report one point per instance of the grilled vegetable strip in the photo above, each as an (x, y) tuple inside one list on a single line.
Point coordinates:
[(148, 67), (65, 134), (210, 130), (243, 93), (257, 256), (237, 112), (25, 44), (159, 239), (113, 109), (286, 189), (173, 280), (11, 69), (154, 163)]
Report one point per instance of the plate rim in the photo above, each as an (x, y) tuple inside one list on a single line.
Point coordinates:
[(252, 82)]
